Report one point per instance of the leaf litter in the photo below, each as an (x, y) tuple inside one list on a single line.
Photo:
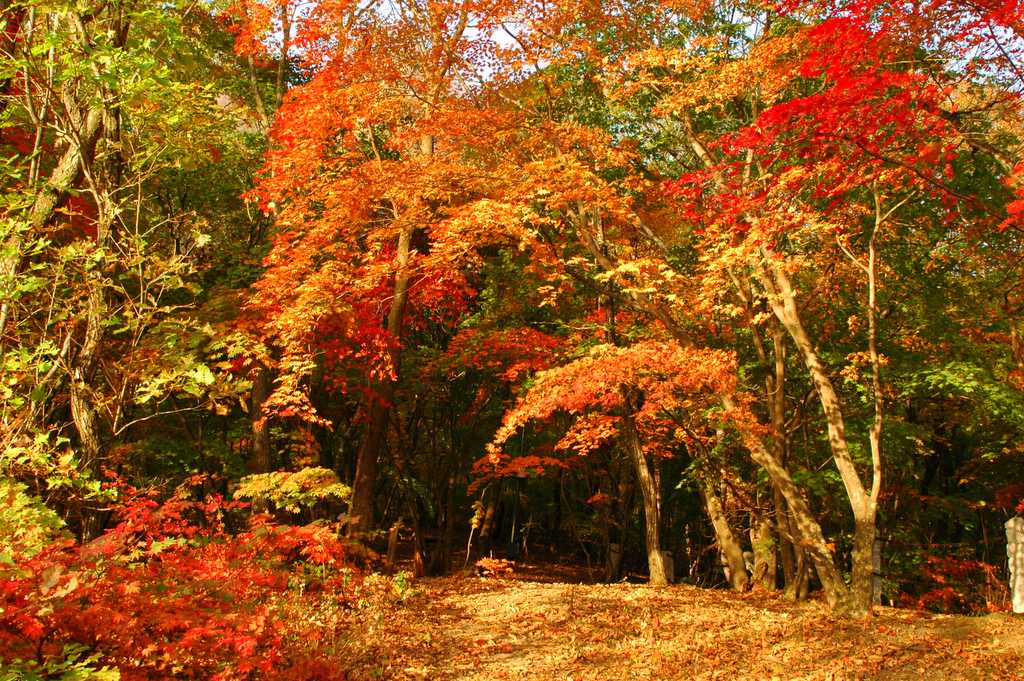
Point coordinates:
[(485, 629)]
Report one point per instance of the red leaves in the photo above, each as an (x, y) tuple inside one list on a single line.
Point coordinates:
[(173, 592), (510, 354), (953, 584)]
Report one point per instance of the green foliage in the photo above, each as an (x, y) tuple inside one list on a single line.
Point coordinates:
[(47, 459), (986, 393), (26, 524), (77, 664)]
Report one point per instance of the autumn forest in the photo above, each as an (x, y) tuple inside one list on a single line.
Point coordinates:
[(526, 339)]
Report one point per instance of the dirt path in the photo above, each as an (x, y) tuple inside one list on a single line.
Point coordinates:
[(488, 629)]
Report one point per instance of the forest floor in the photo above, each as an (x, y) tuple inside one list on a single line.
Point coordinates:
[(529, 627)]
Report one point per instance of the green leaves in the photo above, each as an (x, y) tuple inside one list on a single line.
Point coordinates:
[(26, 524), (991, 397)]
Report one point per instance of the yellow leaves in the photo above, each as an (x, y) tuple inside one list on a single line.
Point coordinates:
[(691, 9), (646, 276), (705, 74), (481, 223), (293, 491)]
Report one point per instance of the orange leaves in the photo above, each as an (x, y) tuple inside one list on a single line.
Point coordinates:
[(371, 146), (588, 433), (1015, 209), (672, 380)]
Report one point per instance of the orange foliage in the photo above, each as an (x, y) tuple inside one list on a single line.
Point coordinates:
[(678, 385)]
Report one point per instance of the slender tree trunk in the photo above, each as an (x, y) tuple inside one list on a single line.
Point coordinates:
[(775, 398), (787, 549), (83, 409), (419, 563), (777, 405), (728, 546), (487, 524), (807, 527), (106, 179), (370, 449), (286, 41), (379, 407), (652, 504), (797, 591), (448, 530), (866, 528), (392, 553)]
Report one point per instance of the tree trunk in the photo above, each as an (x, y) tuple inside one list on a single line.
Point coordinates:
[(797, 590), (807, 527), (379, 406), (448, 531), (419, 563), (729, 548), (783, 304), (392, 553), (487, 524), (361, 512), (787, 549), (777, 405), (652, 504), (83, 408), (782, 299), (762, 540)]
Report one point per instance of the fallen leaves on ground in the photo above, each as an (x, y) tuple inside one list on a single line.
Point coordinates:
[(481, 629)]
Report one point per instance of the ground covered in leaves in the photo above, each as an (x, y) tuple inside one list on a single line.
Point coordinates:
[(484, 629)]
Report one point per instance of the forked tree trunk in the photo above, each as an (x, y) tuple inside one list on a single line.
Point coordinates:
[(806, 525), (782, 299), (784, 306)]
